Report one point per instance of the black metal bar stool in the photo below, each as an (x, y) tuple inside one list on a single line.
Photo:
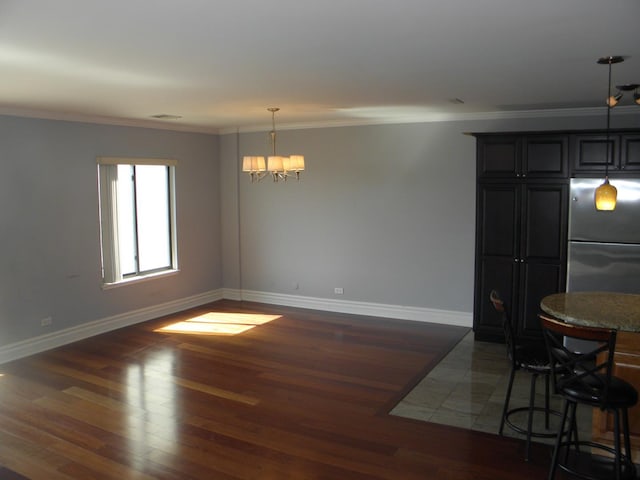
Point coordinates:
[(585, 377), (531, 358)]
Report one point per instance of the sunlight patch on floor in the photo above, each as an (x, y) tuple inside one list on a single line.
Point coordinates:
[(219, 323)]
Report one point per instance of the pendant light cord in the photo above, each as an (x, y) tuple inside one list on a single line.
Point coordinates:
[(273, 128), (606, 157)]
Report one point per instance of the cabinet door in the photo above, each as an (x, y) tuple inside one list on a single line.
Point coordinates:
[(497, 244), (591, 151), (542, 251), (537, 280), (498, 210), (498, 156), (630, 153), (545, 156), (544, 221)]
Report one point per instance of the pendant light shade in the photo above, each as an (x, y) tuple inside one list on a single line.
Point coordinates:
[(606, 196)]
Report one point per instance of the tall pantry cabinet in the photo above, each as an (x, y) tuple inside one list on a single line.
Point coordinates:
[(521, 227)]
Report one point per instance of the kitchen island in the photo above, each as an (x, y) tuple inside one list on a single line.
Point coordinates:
[(620, 311)]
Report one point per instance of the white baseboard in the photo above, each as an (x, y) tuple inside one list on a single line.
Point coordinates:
[(232, 294), (41, 343), (419, 314)]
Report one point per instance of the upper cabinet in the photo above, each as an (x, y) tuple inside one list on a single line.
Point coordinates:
[(498, 156), (591, 150), (546, 156), (514, 156)]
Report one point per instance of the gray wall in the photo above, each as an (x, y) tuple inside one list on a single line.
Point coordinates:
[(49, 237), (386, 212)]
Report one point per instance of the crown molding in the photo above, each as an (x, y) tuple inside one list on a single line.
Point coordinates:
[(427, 117), (171, 125), (439, 117)]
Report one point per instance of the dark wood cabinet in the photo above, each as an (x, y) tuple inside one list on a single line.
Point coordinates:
[(621, 152), (522, 214), (509, 156), (498, 157), (543, 247), (521, 228), (630, 153), (545, 156)]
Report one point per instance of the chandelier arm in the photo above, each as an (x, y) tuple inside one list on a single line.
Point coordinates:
[(257, 176)]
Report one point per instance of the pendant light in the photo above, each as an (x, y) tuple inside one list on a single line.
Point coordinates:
[(606, 194)]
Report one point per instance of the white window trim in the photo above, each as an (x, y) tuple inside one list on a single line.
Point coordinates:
[(140, 279), (108, 224), (171, 162)]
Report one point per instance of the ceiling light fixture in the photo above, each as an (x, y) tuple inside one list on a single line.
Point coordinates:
[(606, 194), (166, 116), (278, 166), (625, 88)]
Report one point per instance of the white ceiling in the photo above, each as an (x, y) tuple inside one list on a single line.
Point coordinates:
[(220, 64)]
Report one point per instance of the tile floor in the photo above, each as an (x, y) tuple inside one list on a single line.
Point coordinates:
[(467, 389)]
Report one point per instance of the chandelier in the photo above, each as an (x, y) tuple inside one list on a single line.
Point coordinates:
[(278, 166), (606, 194)]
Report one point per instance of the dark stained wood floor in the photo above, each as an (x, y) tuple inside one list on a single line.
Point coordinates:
[(304, 396)]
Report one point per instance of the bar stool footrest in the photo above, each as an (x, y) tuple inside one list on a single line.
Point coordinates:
[(590, 466), (553, 433)]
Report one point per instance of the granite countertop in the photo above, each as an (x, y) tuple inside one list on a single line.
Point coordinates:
[(595, 309)]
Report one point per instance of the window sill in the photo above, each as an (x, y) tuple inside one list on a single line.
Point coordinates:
[(139, 279)]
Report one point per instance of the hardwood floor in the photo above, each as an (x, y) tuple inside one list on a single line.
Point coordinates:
[(301, 395)]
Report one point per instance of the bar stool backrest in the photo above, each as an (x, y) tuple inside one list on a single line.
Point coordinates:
[(509, 336), (580, 374)]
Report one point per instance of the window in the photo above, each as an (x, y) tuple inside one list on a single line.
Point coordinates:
[(137, 217)]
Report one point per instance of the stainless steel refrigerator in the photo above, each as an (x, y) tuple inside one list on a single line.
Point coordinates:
[(604, 247)]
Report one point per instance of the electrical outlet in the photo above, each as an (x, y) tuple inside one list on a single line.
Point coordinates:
[(338, 290), (45, 322)]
